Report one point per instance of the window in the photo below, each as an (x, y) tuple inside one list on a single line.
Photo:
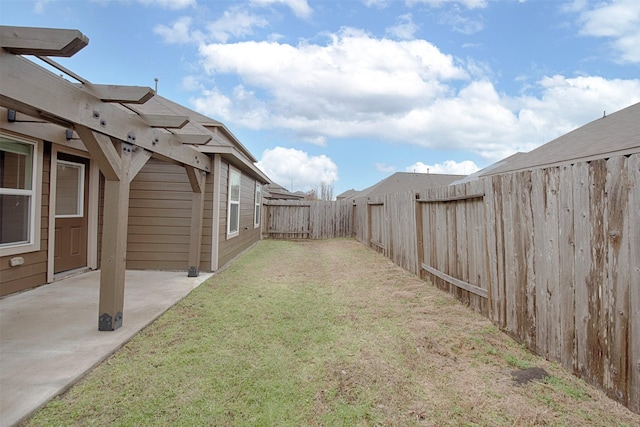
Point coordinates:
[(233, 210), (17, 194), (256, 217), (70, 190)]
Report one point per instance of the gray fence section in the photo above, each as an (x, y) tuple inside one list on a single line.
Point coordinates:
[(287, 219)]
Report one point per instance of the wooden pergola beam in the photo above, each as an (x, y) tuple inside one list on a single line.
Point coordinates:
[(42, 41), (165, 121), (192, 138), (29, 88), (121, 94), (106, 93)]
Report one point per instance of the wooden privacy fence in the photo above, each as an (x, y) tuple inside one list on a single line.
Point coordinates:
[(390, 227), (563, 246), (552, 256), (307, 219)]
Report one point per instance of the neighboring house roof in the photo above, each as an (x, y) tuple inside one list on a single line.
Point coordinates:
[(274, 191), (222, 140), (347, 194), (615, 134), (401, 181), (487, 171)]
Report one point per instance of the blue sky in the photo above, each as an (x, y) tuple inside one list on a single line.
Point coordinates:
[(348, 92)]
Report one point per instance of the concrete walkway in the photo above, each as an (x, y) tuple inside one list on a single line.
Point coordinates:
[(49, 336)]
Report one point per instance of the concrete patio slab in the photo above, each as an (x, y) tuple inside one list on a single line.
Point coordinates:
[(49, 336)]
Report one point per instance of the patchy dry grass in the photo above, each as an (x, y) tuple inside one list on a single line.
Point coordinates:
[(325, 333)]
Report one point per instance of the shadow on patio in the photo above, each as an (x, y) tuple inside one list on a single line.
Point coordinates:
[(49, 335)]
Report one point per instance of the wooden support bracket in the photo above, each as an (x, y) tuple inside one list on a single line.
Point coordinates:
[(103, 152)]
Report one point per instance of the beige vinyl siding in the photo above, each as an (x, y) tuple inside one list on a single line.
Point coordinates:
[(248, 235), (34, 270), (159, 218)]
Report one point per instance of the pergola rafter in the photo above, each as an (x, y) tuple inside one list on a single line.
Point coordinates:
[(118, 139)]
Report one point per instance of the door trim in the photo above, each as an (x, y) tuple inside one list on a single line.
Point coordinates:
[(92, 211)]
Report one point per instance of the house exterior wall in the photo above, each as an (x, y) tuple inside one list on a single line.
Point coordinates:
[(159, 218), (229, 248), (33, 272)]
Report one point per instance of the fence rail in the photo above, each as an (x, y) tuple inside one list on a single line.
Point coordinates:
[(551, 255)]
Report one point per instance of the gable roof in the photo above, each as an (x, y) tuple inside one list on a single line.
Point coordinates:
[(401, 181), (612, 135), (347, 194), (275, 191)]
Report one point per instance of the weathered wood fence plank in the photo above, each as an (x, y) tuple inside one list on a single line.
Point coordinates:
[(633, 357)]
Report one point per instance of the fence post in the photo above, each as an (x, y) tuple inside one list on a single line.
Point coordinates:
[(368, 224), (419, 236)]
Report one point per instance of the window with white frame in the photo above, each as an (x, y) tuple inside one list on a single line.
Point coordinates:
[(256, 214), (17, 192), (233, 209)]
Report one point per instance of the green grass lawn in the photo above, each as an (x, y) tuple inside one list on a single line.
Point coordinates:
[(323, 333)]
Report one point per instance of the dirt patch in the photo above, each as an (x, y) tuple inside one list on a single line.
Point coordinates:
[(523, 376)]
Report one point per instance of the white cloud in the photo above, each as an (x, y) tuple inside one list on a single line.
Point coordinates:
[(349, 89), (295, 168), (235, 22), (191, 83), (300, 8), (469, 4), (40, 5), (179, 32), (404, 29), (465, 167), (346, 83), (460, 23), (569, 102), (380, 4), (170, 4), (318, 140), (616, 20), (383, 167)]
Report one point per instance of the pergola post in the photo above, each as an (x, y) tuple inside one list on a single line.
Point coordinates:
[(119, 165), (114, 250), (197, 179)]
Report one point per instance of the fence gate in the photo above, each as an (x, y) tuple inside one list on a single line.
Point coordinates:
[(452, 249), (288, 221)]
